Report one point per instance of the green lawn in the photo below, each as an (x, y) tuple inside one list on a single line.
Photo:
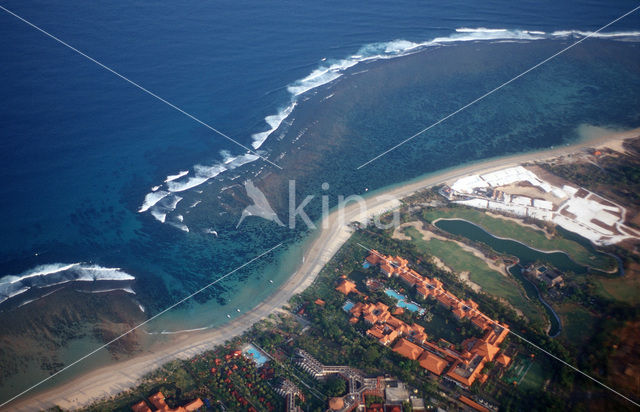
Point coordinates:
[(532, 237), (491, 282), (577, 323), (625, 289), (535, 377)]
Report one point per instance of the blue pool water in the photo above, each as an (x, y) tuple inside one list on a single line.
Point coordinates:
[(347, 306), (402, 301), (81, 149), (254, 353)]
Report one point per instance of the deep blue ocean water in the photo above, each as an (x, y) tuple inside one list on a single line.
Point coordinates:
[(80, 148)]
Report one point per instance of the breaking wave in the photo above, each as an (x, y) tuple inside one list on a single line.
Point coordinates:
[(44, 276), (176, 176), (331, 69), (152, 198)]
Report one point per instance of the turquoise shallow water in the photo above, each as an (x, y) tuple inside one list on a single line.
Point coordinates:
[(81, 149)]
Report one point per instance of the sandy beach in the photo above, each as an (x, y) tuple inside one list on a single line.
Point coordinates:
[(330, 236)]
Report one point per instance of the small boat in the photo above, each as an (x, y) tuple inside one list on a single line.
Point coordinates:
[(237, 310), (270, 281), (229, 316)]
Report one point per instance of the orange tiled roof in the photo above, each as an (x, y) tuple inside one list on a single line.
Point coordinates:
[(460, 372), (395, 322), (473, 404), (158, 400), (503, 359), (376, 332), (459, 313), (194, 405), (407, 349), (387, 268), (346, 286), (432, 363), (141, 407), (486, 348), (373, 258)]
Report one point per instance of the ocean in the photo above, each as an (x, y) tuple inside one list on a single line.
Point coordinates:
[(104, 184)]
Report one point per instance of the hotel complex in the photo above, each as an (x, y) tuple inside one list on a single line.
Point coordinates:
[(410, 341)]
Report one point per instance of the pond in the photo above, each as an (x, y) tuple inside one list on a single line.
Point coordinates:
[(527, 255), (523, 252)]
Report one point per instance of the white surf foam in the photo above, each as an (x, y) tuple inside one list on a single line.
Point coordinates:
[(151, 199), (166, 205), (57, 273), (167, 332), (41, 270), (180, 226), (601, 35), (211, 232), (128, 290), (330, 70), (160, 217), (204, 173), (274, 122), (176, 176), (94, 272)]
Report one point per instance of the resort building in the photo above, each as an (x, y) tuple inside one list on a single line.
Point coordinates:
[(346, 286), (433, 363), (290, 392), (158, 401), (407, 349), (358, 385), (464, 367), (475, 405)]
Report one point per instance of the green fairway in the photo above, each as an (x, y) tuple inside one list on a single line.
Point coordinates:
[(491, 282), (577, 323), (625, 289), (534, 238), (535, 377)]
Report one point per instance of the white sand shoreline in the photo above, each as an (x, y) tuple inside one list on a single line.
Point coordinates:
[(112, 379)]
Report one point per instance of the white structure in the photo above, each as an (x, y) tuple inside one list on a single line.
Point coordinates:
[(575, 209)]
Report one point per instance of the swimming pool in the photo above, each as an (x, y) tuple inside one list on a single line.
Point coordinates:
[(366, 265), (347, 306), (254, 353), (402, 301)]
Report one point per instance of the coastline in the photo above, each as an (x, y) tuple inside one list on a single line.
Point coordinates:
[(110, 380)]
